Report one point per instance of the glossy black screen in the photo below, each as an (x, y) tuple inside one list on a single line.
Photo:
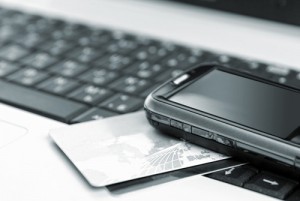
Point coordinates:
[(251, 103)]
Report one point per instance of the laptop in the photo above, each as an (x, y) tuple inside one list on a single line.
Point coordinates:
[(72, 61)]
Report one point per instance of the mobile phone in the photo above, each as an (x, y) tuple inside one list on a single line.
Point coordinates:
[(231, 112)]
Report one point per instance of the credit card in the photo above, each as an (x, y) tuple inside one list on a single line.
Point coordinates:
[(125, 148)]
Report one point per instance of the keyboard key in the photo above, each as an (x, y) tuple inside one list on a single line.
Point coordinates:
[(86, 54), (252, 67), (235, 175), (42, 25), (278, 74), (57, 47), (17, 18), (13, 52), (130, 84), (184, 59), (99, 76), (91, 94), (28, 76), (95, 38), (69, 31), (113, 62), (122, 46), (29, 40), (39, 102), (221, 59), (271, 184), (8, 32), (146, 92), (294, 80), (58, 85), (278, 70), (121, 103), (168, 74), (93, 114), (151, 53), (7, 68), (68, 68), (39, 60), (144, 69), (295, 196)]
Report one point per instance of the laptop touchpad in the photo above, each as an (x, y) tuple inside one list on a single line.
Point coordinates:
[(9, 133)]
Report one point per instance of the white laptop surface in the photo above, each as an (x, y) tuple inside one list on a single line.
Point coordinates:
[(33, 168)]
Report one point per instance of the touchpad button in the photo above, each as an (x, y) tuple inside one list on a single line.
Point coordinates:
[(10, 132)]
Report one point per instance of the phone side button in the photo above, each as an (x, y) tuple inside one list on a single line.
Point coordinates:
[(160, 119), (176, 124), (202, 133), (224, 140), (187, 128)]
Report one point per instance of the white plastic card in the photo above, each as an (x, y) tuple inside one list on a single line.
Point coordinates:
[(124, 148)]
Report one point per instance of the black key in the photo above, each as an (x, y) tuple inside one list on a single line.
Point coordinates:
[(42, 25), (122, 103), (99, 76), (69, 31), (120, 35), (122, 46), (18, 18), (39, 60), (222, 59), (150, 53), (13, 52), (7, 68), (271, 184), (278, 74), (252, 67), (8, 32), (58, 85), (114, 62), (294, 80), (95, 38), (93, 114), (29, 40), (130, 84), (145, 69), (146, 92), (86, 54), (235, 175), (168, 74), (68, 68), (39, 102), (91, 94), (4, 13), (295, 196), (184, 59), (28, 76), (57, 47)]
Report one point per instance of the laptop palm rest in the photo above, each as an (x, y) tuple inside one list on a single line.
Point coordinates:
[(9, 133)]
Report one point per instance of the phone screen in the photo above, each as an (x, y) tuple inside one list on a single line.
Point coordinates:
[(258, 105)]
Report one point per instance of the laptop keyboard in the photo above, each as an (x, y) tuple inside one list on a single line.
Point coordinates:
[(74, 73)]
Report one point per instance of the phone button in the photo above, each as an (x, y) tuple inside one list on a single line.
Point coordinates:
[(202, 133), (160, 119), (176, 124), (187, 128)]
